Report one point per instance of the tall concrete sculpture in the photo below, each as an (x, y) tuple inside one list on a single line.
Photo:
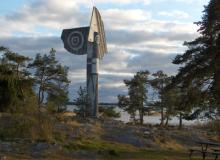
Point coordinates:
[(91, 41)]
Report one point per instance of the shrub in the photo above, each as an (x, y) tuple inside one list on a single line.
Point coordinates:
[(26, 121), (213, 125), (109, 112), (36, 127)]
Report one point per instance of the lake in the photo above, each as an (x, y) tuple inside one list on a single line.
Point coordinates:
[(125, 117)]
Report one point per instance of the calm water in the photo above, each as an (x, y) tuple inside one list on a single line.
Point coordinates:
[(147, 119)]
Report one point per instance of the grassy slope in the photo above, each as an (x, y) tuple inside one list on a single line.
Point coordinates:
[(141, 155), (87, 147)]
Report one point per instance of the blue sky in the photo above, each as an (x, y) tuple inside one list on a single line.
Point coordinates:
[(10, 6), (164, 10), (141, 34)]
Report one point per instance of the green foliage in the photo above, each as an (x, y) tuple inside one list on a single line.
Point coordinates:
[(124, 103), (82, 102), (27, 123), (51, 79), (58, 91), (137, 95), (15, 83), (170, 100), (21, 116), (200, 63), (109, 112), (35, 127), (159, 83)]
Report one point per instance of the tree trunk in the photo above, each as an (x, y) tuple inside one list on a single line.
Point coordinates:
[(42, 96), (181, 121), (39, 96), (84, 112), (40, 92), (17, 71), (133, 117), (59, 108), (167, 120), (162, 117), (141, 115)]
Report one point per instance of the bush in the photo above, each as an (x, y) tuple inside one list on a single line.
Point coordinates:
[(35, 127), (213, 125), (109, 112)]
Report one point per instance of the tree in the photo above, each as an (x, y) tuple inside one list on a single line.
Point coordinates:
[(109, 112), (170, 101), (124, 104), (187, 98), (18, 63), (50, 78), (159, 83), (44, 72), (166, 99), (58, 90), (82, 102), (15, 83), (200, 63), (137, 95), (182, 100)]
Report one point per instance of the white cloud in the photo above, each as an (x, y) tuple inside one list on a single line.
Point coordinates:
[(124, 18), (136, 41), (196, 2), (145, 2), (193, 1), (113, 85), (176, 14)]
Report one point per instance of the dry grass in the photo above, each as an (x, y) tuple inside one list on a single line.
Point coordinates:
[(168, 144)]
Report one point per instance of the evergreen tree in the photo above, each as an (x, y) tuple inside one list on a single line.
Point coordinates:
[(200, 63), (124, 104), (183, 100), (58, 89), (15, 83), (137, 95), (82, 102), (170, 98), (50, 78), (18, 63), (159, 83)]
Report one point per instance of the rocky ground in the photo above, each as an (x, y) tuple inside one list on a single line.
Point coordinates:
[(106, 139)]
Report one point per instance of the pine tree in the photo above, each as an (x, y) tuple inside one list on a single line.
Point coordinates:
[(58, 89), (82, 102), (124, 104), (200, 63), (50, 78), (137, 93), (159, 83), (15, 83)]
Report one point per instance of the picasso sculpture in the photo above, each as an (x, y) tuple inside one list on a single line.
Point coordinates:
[(91, 41)]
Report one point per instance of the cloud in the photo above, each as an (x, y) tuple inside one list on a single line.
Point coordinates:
[(136, 37), (175, 13), (56, 15), (148, 60), (136, 41), (125, 19), (196, 2), (145, 2), (46, 18), (119, 64), (52, 14), (193, 1)]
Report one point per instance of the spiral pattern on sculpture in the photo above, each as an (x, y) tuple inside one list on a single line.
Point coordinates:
[(75, 40)]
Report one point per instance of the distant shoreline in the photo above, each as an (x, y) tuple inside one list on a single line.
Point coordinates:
[(151, 119)]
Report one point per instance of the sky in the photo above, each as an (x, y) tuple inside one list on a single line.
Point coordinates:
[(141, 35)]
